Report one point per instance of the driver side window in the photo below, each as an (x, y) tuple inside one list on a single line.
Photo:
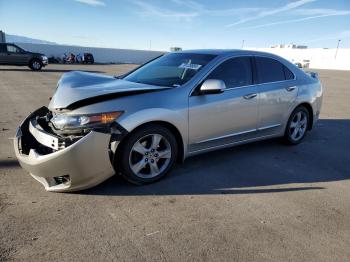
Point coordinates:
[(234, 72), (12, 49)]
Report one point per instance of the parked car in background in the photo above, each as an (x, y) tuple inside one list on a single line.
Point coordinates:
[(299, 65), (11, 54), (88, 58), (178, 105), (305, 63)]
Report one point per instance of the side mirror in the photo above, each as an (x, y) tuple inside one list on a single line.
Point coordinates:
[(212, 86)]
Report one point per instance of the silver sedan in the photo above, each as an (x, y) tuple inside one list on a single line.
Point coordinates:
[(175, 106)]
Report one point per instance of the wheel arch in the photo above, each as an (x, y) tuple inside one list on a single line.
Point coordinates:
[(311, 114), (34, 59), (172, 128)]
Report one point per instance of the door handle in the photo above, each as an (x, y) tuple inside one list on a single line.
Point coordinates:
[(290, 88), (250, 96)]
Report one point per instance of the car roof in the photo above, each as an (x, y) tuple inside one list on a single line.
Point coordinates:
[(7, 43), (210, 51), (224, 52)]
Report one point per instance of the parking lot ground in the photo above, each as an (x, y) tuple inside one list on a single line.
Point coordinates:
[(258, 202)]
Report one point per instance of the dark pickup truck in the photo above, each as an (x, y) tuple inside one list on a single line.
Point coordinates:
[(11, 54)]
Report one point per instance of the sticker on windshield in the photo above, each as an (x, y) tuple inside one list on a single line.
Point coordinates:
[(190, 66)]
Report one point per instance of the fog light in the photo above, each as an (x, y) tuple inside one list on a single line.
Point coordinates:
[(62, 179)]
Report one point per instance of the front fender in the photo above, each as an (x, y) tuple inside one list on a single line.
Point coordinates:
[(179, 119)]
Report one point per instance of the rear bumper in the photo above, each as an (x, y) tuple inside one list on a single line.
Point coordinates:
[(81, 165)]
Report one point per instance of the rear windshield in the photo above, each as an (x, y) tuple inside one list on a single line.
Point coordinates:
[(173, 69)]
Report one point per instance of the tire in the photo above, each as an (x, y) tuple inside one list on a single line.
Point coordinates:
[(297, 126), (35, 64), (138, 161)]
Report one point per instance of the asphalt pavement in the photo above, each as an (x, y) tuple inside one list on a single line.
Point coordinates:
[(258, 202)]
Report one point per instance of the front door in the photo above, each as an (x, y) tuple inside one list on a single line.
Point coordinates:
[(15, 56), (227, 117)]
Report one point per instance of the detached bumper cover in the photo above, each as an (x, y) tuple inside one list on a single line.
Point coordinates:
[(83, 164)]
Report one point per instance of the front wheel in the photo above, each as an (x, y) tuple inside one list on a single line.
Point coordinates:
[(147, 155), (297, 126), (35, 64)]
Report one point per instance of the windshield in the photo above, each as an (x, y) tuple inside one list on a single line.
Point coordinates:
[(174, 69)]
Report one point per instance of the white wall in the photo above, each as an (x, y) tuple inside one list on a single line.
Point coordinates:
[(319, 58), (101, 55)]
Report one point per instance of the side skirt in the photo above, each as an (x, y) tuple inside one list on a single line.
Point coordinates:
[(201, 151), (235, 139)]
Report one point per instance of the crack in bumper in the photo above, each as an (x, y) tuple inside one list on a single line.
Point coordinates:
[(86, 162)]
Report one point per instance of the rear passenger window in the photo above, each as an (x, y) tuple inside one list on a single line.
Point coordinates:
[(234, 72), (271, 70), (287, 73)]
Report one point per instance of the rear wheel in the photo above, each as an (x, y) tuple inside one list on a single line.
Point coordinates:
[(147, 155), (35, 64), (297, 126)]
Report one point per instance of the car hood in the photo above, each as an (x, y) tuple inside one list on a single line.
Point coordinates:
[(35, 54), (76, 89)]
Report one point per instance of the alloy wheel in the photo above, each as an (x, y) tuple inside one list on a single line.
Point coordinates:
[(298, 125), (36, 65), (150, 156)]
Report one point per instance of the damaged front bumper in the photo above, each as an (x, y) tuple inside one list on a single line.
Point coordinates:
[(63, 165)]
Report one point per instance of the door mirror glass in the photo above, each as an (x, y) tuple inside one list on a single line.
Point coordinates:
[(212, 86)]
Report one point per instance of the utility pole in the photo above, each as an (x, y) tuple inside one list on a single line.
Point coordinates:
[(242, 44), (336, 51)]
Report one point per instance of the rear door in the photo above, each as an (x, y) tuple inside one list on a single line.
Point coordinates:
[(277, 94), (16, 56), (227, 117)]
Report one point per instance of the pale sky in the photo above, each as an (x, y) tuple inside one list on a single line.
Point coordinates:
[(193, 24)]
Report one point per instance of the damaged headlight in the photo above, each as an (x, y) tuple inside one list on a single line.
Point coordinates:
[(71, 122)]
